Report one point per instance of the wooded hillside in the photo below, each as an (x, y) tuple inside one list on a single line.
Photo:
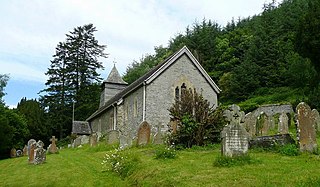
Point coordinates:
[(274, 53)]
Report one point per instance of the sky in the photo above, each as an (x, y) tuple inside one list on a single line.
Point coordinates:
[(30, 31)]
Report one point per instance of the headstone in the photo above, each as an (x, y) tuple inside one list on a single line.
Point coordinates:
[(85, 139), (112, 137), (235, 139), (262, 126), (306, 129), (316, 117), (173, 126), (31, 148), (25, 150), (93, 139), (283, 126), (143, 133), (13, 153), (250, 124), (53, 148), (158, 137), (77, 142), (39, 153), (19, 153)]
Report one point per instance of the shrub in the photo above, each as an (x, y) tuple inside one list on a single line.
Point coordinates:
[(165, 153), (120, 161), (289, 150)]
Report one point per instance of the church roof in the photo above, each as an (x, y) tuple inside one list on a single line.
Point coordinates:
[(153, 74), (114, 77)]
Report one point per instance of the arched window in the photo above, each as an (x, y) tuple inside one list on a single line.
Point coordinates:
[(183, 88), (177, 93)]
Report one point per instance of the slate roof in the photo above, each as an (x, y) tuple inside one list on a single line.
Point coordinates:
[(151, 75), (114, 77), (81, 127)]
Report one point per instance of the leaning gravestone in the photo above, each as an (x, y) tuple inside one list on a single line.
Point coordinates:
[(53, 148), (31, 148), (144, 133), (316, 117), (235, 139), (39, 153), (283, 127), (306, 128)]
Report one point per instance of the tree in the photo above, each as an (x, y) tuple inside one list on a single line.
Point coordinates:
[(3, 82), (195, 118), (35, 118), (72, 71)]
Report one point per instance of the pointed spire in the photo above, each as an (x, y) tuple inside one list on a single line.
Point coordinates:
[(114, 76)]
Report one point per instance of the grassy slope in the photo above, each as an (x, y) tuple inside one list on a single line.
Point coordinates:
[(193, 167)]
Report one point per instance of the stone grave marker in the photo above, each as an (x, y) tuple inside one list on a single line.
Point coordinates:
[(283, 127), (158, 137), (262, 126), (250, 124), (13, 153), (144, 133), (235, 138), (316, 117), (31, 148), (25, 150), (53, 148), (93, 139), (39, 153), (113, 137), (306, 128)]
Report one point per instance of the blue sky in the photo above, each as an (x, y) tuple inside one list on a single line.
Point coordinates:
[(30, 31)]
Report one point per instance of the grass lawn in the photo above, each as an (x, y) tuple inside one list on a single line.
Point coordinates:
[(192, 167)]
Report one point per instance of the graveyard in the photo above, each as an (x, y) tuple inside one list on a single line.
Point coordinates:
[(192, 167)]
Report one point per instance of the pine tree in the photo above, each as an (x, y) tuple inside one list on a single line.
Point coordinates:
[(72, 71)]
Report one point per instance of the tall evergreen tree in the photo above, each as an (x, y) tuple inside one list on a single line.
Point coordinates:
[(72, 71)]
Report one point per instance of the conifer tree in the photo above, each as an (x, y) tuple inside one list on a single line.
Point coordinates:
[(72, 71)]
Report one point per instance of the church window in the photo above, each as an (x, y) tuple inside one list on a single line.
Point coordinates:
[(177, 93), (135, 107), (183, 88)]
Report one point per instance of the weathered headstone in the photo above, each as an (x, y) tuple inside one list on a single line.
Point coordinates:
[(112, 137), (158, 137), (53, 148), (93, 139), (250, 124), (25, 150), (262, 126), (235, 139), (31, 148), (283, 126), (13, 153), (143, 133), (316, 117), (39, 153), (173, 126), (306, 129)]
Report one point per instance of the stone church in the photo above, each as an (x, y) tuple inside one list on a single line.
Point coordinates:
[(126, 109)]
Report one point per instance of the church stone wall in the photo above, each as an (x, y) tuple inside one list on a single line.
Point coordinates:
[(160, 93), (104, 122), (132, 113)]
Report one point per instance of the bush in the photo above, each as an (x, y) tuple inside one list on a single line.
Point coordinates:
[(120, 161), (289, 150), (165, 153)]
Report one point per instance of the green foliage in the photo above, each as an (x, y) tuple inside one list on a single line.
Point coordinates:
[(73, 78), (196, 120), (120, 161), (165, 152), (225, 161), (3, 82), (289, 150)]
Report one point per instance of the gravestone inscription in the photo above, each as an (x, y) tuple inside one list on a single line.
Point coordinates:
[(235, 139)]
